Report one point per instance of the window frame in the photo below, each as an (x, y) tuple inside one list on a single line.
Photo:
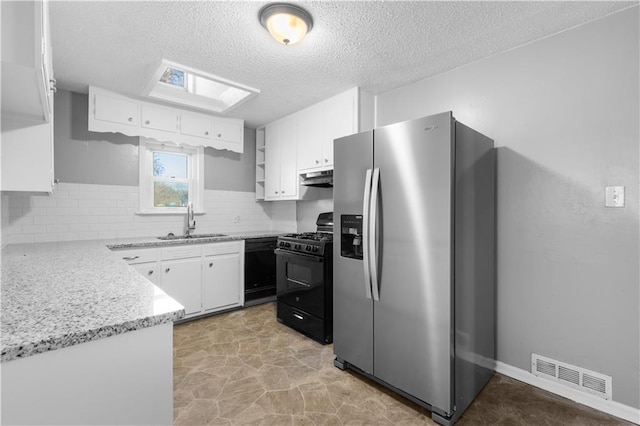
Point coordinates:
[(195, 176)]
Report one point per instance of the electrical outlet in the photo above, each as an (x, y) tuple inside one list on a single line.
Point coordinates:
[(614, 196), (236, 219)]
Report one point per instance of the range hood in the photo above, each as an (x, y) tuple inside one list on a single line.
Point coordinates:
[(323, 179)]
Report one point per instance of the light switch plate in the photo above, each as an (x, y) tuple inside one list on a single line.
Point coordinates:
[(614, 196)]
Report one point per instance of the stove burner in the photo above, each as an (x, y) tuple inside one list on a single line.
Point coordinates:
[(313, 236)]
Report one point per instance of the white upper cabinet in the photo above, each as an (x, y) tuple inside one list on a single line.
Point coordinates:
[(339, 117), (159, 118), (27, 98), (112, 112), (281, 177), (310, 138), (27, 74), (115, 110), (303, 142), (228, 130), (196, 125)]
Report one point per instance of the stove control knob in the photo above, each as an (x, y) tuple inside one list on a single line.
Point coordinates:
[(297, 247), (315, 249)]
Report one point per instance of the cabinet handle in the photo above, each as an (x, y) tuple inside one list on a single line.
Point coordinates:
[(147, 122), (150, 272), (53, 85), (275, 192), (167, 270), (130, 119), (326, 161), (131, 258), (282, 192), (219, 135), (206, 133), (211, 265), (317, 161), (298, 316)]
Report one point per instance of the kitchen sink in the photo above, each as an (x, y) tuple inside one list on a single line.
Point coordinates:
[(171, 236)]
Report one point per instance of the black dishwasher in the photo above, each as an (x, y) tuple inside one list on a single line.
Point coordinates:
[(259, 270)]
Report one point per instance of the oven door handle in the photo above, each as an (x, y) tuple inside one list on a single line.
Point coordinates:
[(291, 254), (365, 233), (298, 282)]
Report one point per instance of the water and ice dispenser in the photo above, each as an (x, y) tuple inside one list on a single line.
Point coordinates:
[(351, 236)]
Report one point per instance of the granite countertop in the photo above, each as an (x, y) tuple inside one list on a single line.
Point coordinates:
[(61, 294), (156, 242)]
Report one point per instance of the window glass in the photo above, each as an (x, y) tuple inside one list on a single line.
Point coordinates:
[(174, 77), (170, 194), (169, 165)]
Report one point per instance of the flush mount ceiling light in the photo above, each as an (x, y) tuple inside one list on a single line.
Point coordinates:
[(286, 22)]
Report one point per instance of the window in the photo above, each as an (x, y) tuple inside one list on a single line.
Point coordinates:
[(171, 177)]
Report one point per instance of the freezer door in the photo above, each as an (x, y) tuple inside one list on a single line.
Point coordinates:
[(413, 318), (352, 306)]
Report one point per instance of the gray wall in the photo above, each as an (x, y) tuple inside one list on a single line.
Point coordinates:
[(564, 114), (82, 156)]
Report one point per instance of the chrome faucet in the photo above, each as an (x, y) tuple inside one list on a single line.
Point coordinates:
[(191, 220)]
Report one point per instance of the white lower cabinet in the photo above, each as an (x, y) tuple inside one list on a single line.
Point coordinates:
[(222, 286), (204, 278), (182, 276)]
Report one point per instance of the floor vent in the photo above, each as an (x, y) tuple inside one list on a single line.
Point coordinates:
[(569, 375)]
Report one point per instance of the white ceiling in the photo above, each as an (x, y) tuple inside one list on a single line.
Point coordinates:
[(379, 46)]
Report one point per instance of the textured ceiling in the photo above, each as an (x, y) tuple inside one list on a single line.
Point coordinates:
[(378, 46)]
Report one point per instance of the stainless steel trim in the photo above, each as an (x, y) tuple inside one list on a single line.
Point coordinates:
[(373, 238), (131, 257), (298, 316), (365, 233)]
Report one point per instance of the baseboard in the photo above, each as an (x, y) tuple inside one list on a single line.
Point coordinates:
[(610, 407)]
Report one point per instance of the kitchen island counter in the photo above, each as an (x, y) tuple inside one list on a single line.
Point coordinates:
[(56, 295)]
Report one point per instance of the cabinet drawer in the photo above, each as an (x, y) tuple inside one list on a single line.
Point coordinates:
[(135, 256), (222, 248), (180, 252)]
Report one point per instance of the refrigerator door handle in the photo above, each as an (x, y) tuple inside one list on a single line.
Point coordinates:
[(373, 219), (365, 233)]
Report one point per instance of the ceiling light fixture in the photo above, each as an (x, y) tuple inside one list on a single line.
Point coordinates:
[(286, 22)]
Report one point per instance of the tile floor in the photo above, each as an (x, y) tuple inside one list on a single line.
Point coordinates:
[(244, 368)]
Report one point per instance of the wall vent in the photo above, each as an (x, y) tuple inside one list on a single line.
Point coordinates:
[(569, 375)]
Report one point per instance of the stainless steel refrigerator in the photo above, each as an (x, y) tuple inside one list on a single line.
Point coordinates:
[(414, 272)]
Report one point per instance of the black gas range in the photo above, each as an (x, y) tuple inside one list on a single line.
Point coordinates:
[(304, 280)]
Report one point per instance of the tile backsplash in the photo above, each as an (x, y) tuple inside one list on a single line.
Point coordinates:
[(88, 212)]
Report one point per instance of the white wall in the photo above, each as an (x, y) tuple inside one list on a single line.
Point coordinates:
[(86, 212), (564, 114)]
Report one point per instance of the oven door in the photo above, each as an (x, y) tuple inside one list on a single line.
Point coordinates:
[(300, 281)]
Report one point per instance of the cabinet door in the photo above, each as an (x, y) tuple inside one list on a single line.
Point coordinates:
[(116, 110), (309, 138), (196, 125), (158, 118), (182, 280), (272, 161), (288, 158), (222, 285), (149, 271), (228, 130), (338, 119)]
